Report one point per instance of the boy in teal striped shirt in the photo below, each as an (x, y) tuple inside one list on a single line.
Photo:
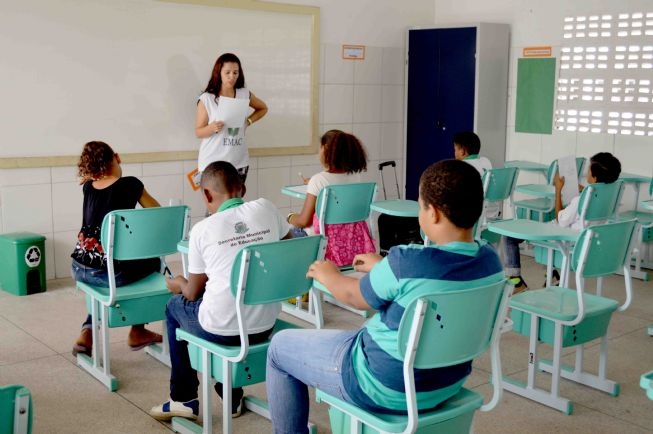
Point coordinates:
[(362, 366)]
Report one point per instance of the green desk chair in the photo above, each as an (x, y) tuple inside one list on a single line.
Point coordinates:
[(335, 204), (565, 317), (644, 235), (126, 235), (437, 329), (598, 203), (541, 208), (262, 273), (15, 409), (498, 186)]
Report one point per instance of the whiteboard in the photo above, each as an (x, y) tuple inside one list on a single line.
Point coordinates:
[(129, 72)]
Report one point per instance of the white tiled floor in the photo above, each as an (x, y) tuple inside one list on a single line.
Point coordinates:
[(37, 332)]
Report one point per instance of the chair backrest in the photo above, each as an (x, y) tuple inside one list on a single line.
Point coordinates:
[(600, 202), (144, 232), (15, 409), (275, 271), (271, 272), (499, 184), (456, 326), (344, 203), (449, 327), (580, 166), (551, 172), (603, 249)]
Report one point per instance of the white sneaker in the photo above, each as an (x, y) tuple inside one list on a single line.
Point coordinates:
[(170, 409)]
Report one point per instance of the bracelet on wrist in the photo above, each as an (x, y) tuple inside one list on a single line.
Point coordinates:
[(289, 217), (249, 121)]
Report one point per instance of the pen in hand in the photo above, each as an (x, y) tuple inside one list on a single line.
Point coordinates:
[(301, 176), (168, 273)]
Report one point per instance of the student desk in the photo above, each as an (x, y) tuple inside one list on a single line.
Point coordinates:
[(295, 191), (531, 230), (396, 207), (528, 166)]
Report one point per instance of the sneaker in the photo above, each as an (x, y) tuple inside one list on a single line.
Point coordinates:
[(520, 284), (236, 399), (169, 409)]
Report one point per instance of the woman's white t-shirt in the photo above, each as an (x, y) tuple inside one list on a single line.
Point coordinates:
[(227, 145), (212, 248)]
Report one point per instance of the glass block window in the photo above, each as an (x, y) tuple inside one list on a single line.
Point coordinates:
[(605, 77)]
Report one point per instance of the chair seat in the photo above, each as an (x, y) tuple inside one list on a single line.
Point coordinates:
[(249, 371), (452, 414), (154, 284), (560, 304)]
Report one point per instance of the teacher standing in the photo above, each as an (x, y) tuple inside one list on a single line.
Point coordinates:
[(218, 141)]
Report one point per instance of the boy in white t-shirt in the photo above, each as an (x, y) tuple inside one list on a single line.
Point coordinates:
[(204, 305), (466, 147)]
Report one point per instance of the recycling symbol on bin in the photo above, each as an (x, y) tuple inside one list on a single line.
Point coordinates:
[(33, 257)]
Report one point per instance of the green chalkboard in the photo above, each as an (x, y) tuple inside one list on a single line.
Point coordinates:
[(535, 93)]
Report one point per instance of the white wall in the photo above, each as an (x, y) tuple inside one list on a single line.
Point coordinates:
[(538, 23), (364, 97)]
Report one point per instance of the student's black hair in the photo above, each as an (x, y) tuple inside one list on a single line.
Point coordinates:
[(343, 152), (455, 188), (95, 160), (605, 167), (215, 82), (221, 176), (469, 141)]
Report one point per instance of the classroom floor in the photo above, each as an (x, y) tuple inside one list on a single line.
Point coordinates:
[(37, 333)]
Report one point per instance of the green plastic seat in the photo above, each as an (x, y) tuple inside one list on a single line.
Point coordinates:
[(15, 409), (335, 204), (262, 274), (127, 235), (565, 317), (436, 330), (498, 186)]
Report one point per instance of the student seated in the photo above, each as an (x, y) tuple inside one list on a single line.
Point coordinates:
[(343, 158), (362, 366), (204, 305), (466, 147), (605, 168), (106, 190)]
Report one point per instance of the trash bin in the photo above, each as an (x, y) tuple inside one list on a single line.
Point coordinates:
[(22, 263)]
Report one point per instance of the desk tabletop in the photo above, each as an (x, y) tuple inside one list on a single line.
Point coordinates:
[(527, 165), (532, 230), (296, 191), (647, 204), (396, 207), (539, 190), (634, 178)]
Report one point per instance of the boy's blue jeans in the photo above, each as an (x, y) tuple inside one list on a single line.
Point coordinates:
[(183, 313), (512, 256), (298, 359)]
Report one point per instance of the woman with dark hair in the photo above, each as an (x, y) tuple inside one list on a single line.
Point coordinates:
[(218, 142)]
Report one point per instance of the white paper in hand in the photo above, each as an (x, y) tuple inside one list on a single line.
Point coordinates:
[(232, 111), (567, 169)]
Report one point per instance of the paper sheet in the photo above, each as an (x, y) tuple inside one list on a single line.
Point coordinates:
[(567, 169), (232, 111)]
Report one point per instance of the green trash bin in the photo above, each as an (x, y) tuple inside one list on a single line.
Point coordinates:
[(22, 263)]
